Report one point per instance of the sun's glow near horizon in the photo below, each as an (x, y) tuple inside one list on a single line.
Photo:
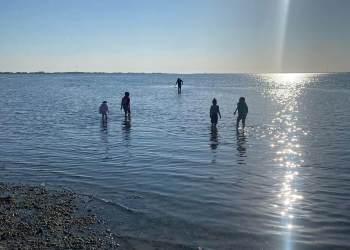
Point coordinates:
[(289, 78)]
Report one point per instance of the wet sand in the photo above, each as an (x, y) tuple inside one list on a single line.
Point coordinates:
[(33, 217)]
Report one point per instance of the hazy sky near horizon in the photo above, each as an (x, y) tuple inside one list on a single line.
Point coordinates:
[(183, 36)]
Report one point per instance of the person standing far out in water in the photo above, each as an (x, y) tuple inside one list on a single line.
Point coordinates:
[(242, 109), (214, 112), (179, 84), (125, 104)]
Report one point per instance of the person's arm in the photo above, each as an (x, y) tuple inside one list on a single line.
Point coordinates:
[(234, 113), (121, 104), (247, 108), (219, 112)]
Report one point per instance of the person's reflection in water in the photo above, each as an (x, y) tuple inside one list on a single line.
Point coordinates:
[(241, 147), (214, 141), (104, 137), (126, 128), (214, 137), (104, 126)]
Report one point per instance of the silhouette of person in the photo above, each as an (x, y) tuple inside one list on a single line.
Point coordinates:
[(125, 104), (179, 84), (214, 113), (242, 109), (104, 110)]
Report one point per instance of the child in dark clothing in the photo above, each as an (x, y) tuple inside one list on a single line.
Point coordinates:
[(242, 109), (104, 110), (214, 112), (125, 104)]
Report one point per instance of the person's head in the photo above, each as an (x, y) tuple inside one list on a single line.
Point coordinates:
[(104, 102), (214, 101), (242, 99), (127, 93)]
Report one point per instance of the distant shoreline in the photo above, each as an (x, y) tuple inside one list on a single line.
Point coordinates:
[(161, 73)]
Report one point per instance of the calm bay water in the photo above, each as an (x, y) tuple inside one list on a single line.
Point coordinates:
[(166, 178)]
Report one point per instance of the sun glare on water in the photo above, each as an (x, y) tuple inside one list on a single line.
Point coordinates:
[(286, 141), (289, 78)]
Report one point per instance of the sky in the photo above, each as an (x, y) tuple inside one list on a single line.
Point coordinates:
[(175, 36)]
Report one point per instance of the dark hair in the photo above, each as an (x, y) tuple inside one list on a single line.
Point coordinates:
[(242, 99), (127, 93), (104, 102), (214, 101)]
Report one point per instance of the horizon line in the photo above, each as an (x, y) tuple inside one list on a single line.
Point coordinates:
[(165, 73)]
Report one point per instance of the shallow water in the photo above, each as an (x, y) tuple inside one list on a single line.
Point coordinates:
[(167, 177)]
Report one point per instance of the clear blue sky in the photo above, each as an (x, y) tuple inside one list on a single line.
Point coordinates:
[(181, 36)]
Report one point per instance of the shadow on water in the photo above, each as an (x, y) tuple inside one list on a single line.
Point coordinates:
[(241, 140)]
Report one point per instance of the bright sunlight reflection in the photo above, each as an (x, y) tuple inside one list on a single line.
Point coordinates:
[(289, 78), (286, 141)]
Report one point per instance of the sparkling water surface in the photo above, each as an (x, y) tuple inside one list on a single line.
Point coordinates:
[(166, 178)]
